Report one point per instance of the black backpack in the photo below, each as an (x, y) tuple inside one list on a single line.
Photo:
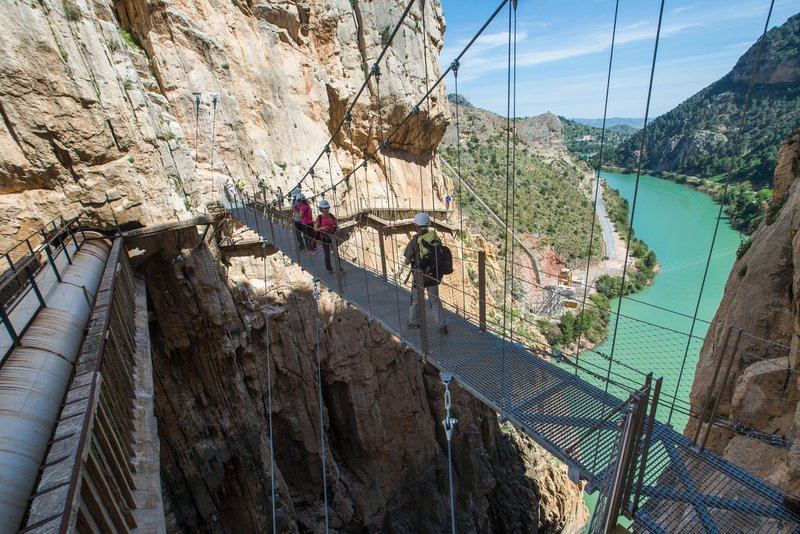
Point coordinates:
[(435, 259)]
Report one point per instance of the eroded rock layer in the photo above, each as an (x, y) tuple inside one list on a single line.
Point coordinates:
[(762, 296), (385, 448)]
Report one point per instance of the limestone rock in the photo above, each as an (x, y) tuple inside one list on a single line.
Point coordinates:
[(761, 296), (386, 452)]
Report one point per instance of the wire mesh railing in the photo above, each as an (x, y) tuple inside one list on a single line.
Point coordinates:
[(580, 423), (642, 347)]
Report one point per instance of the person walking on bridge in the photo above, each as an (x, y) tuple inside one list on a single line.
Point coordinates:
[(415, 256), (306, 223), (297, 199), (326, 227)]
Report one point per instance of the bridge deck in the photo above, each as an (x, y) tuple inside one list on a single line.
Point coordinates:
[(684, 490)]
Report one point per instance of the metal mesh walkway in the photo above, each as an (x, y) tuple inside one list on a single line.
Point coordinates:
[(682, 489)]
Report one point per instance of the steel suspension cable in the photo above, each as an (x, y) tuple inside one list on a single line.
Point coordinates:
[(736, 149), (196, 126), (269, 394), (504, 355), (330, 174), (387, 169), (636, 185), (419, 166), (455, 67), (513, 133), (321, 405), (597, 178), (358, 215), (214, 99), (353, 166), (427, 101)]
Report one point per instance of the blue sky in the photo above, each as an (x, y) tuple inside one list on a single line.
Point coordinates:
[(563, 52)]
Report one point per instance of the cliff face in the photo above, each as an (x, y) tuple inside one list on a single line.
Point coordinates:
[(763, 297), (386, 451), (99, 115)]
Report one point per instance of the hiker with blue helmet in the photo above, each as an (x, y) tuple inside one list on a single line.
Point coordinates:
[(415, 256)]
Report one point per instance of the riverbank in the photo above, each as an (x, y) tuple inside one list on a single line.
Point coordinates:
[(746, 208)]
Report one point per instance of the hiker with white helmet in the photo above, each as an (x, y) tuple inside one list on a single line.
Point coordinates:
[(326, 227), (417, 254)]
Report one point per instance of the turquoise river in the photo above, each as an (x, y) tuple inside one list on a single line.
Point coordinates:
[(677, 223)]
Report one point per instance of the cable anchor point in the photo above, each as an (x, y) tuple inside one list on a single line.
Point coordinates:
[(448, 422), (454, 66), (376, 70), (328, 148), (348, 116)]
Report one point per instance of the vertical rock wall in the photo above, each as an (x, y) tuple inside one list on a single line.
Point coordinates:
[(762, 296), (98, 112), (386, 451)]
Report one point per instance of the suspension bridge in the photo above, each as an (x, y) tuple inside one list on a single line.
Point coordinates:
[(590, 415), (608, 428), (643, 468)]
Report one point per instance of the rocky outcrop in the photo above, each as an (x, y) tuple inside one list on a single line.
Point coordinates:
[(762, 296), (134, 112), (541, 134), (385, 449), (99, 114)]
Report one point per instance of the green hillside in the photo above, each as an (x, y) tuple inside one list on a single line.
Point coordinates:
[(698, 138), (553, 205), (584, 141)]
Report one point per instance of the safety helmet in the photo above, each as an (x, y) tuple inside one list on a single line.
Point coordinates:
[(324, 204), (422, 219), (300, 196)]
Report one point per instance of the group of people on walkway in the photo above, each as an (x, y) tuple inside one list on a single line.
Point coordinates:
[(310, 231), (233, 189)]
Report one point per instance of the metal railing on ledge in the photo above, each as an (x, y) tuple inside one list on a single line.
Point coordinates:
[(35, 266), (87, 480)]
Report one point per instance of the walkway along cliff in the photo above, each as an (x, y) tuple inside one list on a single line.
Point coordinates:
[(134, 112)]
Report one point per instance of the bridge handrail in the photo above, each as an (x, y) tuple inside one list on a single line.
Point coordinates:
[(615, 375), (20, 277), (635, 473)]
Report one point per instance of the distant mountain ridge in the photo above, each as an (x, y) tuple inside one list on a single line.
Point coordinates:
[(612, 121), (697, 138)]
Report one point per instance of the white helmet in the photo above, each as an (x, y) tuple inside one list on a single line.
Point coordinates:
[(324, 204), (300, 196), (422, 220)]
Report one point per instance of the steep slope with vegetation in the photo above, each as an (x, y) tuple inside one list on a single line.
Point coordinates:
[(553, 206), (699, 137), (584, 141)]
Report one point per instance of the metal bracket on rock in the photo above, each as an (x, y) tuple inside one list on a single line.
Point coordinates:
[(449, 422)]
